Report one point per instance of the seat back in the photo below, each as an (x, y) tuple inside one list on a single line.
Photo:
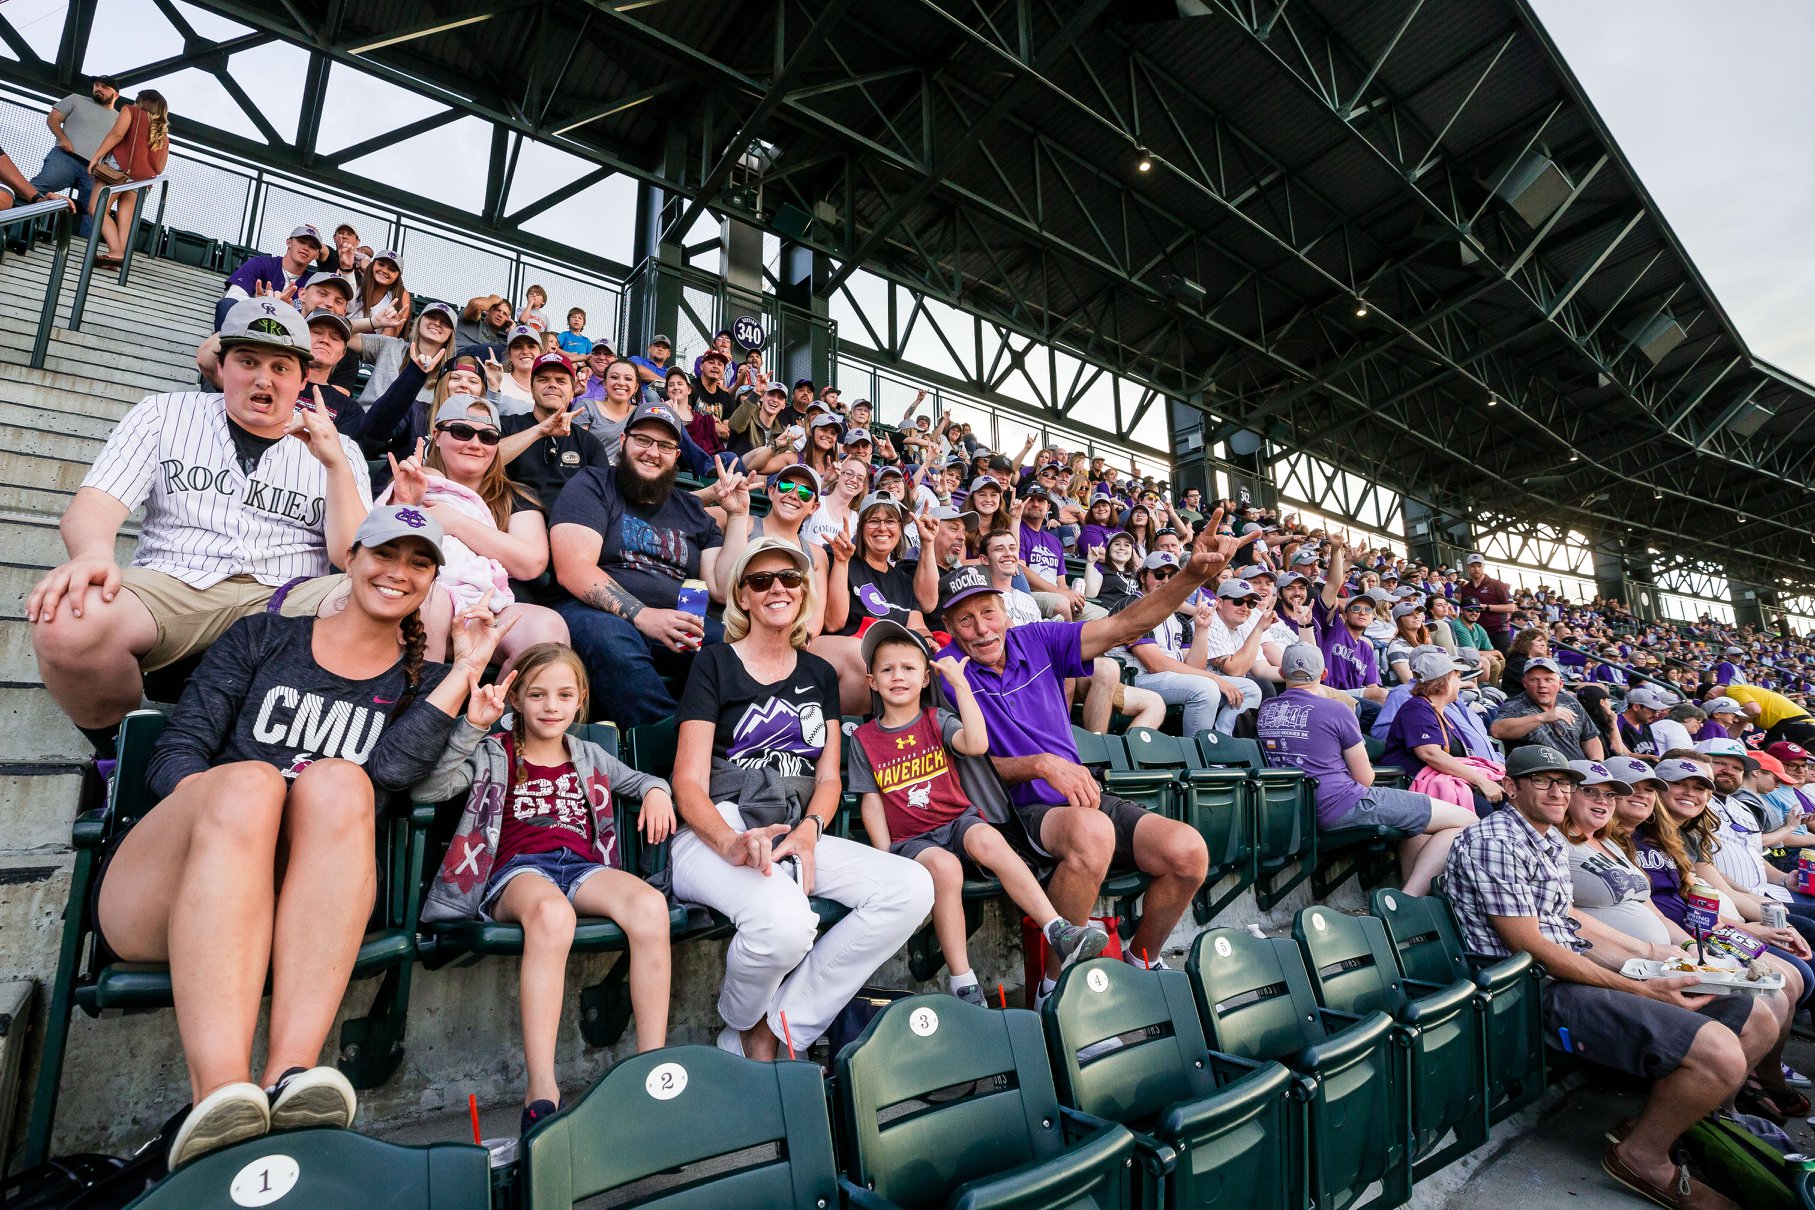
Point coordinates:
[(936, 1092), (1156, 764), (1253, 996), (328, 1168), (1099, 753), (1125, 1043), (1218, 749), (741, 1133), (1350, 961), (128, 797), (651, 747), (1423, 934), (1150, 749)]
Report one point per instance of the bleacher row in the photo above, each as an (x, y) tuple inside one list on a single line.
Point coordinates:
[(1258, 1003)]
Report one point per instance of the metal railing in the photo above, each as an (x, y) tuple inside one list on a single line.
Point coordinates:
[(63, 219), (80, 302)]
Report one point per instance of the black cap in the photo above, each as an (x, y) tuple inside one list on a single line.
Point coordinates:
[(803, 382)]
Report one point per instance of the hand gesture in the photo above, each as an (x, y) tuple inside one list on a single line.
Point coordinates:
[(1203, 615), (885, 449), (409, 482), (486, 704), (494, 369), (427, 363), (315, 429), (288, 294), (560, 424), (385, 314), (1014, 509), (655, 819), (672, 628), (1095, 553), (70, 583), (476, 634), (733, 489), (919, 395), (1267, 618), (952, 670), (927, 528), (841, 546), (1027, 446), (753, 848)]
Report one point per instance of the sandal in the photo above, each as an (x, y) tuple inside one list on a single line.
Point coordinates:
[(1753, 1099), (1684, 1192), (1793, 1104)]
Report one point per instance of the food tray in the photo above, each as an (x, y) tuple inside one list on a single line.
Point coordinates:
[(1710, 983)]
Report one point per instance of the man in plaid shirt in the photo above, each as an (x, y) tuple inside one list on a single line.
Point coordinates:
[(1508, 880)]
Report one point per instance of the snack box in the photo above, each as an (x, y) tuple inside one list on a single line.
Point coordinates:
[(1711, 982)]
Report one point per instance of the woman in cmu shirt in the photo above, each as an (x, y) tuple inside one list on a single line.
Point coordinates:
[(258, 857)]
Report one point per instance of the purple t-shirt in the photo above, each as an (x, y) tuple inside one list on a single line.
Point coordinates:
[(1666, 894), (1349, 662), (1414, 726), (1043, 554), (1091, 536), (1304, 730), (1024, 705)]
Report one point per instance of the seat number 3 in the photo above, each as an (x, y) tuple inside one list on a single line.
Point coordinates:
[(923, 1021)]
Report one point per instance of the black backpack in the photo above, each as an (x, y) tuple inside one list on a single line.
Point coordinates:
[(93, 1182)]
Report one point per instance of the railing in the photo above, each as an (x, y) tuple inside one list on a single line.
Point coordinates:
[(108, 192), (63, 226), (1632, 674)]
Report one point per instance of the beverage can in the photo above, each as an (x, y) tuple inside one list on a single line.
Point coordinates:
[(1775, 916), (1805, 871), (693, 598), (1703, 904)]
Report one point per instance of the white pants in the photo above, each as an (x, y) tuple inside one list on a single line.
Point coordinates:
[(1202, 698), (776, 963)]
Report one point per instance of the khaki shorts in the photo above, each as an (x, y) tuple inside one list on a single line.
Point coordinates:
[(189, 620)]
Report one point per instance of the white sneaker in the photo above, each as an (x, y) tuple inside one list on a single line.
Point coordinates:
[(313, 1096), (230, 1114), (733, 1041)]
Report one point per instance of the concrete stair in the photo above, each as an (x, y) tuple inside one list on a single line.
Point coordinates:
[(134, 341)]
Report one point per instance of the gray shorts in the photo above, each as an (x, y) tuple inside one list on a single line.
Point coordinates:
[(948, 836), (1627, 1032), (1386, 807)]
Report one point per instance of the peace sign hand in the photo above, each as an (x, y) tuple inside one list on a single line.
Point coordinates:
[(409, 481), (494, 369), (733, 489), (486, 705)]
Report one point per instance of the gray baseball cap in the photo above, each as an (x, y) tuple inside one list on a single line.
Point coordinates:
[(1433, 664), (268, 323), (1159, 559), (1406, 609), (1236, 590), (1541, 663), (881, 500), (886, 628), (321, 315), (1651, 697), (388, 522), (457, 406), (1631, 770), (1301, 664), (1597, 773), (1681, 768), (1723, 705), (1538, 758)]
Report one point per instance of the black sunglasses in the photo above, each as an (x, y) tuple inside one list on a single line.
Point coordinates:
[(762, 581), (1163, 573), (466, 432)]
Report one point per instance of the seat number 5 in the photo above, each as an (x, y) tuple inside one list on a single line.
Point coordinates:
[(264, 1180)]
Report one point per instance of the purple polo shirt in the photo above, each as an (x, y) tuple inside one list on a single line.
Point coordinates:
[(1349, 662), (1024, 705), (1043, 554), (1304, 730)]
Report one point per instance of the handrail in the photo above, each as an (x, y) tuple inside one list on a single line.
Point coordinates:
[(80, 302), (1631, 672), (63, 223)]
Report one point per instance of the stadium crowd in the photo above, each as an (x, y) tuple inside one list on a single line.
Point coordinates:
[(398, 545)]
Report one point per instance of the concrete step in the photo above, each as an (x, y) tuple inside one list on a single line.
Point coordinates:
[(38, 802), (113, 358), (49, 503), (18, 663), (49, 419), (28, 470), (34, 729), (30, 273), (31, 540), (125, 319), (51, 439), (76, 393)]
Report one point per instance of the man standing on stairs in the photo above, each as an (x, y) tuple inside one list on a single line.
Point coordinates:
[(243, 495), (79, 124)]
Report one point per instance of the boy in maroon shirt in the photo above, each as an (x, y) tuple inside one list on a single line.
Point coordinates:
[(914, 806)]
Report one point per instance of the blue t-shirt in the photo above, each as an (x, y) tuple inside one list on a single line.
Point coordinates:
[(1043, 554), (574, 342), (1300, 729), (1024, 706), (1415, 725)]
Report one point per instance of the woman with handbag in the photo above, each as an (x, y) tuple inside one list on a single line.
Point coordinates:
[(139, 144)]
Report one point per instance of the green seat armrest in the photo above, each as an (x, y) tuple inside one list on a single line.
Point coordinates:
[(90, 829), (1439, 1005), (1099, 1160), (1346, 1046), (857, 1197), (1156, 1156)]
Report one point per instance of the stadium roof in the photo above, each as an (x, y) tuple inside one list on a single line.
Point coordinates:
[(1535, 341)]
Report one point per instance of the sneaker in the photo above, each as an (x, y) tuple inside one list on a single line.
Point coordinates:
[(1043, 991), (534, 1112), (733, 1041), (1153, 963), (1794, 1078), (1075, 943), (230, 1114), (971, 993), (312, 1096)]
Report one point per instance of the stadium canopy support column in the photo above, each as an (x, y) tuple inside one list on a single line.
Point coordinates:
[(1250, 471), (1753, 605), (745, 292), (803, 341), (653, 294), (1432, 537), (1610, 571), (1190, 458)]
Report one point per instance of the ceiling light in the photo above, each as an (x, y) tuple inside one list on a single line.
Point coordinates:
[(1361, 309), (1657, 495), (1493, 400), (1575, 457), (1143, 160)]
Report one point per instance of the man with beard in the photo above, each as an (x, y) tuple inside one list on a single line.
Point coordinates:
[(78, 123), (623, 540)]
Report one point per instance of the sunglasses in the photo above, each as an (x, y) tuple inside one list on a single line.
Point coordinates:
[(1163, 573), (803, 490), (466, 432), (762, 581)]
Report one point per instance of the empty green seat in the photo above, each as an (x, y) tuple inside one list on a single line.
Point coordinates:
[(1354, 969), (1256, 1003), (1284, 811), (1170, 775), (1429, 948), (328, 1168), (942, 1103), (371, 1046), (687, 1128), (1127, 1047)]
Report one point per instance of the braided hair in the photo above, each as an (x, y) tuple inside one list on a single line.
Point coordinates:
[(529, 664), (415, 651)]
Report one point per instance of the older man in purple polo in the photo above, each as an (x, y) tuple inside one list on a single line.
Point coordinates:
[(1018, 675)]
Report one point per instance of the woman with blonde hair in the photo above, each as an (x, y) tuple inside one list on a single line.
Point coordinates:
[(139, 144)]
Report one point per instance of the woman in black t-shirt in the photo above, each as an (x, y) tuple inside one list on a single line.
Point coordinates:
[(871, 580), (258, 857), (757, 780)]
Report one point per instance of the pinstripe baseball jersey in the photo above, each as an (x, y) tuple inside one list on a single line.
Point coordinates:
[(205, 519)]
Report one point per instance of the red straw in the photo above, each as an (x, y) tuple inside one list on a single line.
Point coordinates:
[(787, 1035), (1002, 995), (1145, 965), (472, 1108)]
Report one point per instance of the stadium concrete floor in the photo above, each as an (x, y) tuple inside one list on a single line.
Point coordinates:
[(1557, 1162)]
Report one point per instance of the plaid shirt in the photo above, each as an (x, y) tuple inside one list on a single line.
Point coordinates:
[(1503, 866)]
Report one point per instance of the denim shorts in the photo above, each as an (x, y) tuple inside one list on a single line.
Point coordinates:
[(1387, 807), (563, 867)]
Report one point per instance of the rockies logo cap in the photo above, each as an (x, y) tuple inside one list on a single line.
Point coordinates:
[(388, 522), (266, 322)]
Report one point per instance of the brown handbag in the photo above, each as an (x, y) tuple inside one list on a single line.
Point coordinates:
[(107, 174)]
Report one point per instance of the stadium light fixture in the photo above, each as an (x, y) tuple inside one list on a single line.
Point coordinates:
[(1493, 400), (1361, 308), (1143, 160)]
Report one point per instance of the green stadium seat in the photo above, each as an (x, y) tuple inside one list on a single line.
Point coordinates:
[(942, 1103), (1284, 811), (1127, 1047), (1368, 852), (1101, 754), (328, 1168), (1170, 775), (1429, 947), (371, 1046), (1355, 971), (604, 1007), (687, 1128), (1255, 1000)]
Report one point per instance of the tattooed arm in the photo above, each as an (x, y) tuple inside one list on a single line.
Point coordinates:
[(576, 549)]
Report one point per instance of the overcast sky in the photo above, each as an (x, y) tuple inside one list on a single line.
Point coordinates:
[(1711, 100)]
